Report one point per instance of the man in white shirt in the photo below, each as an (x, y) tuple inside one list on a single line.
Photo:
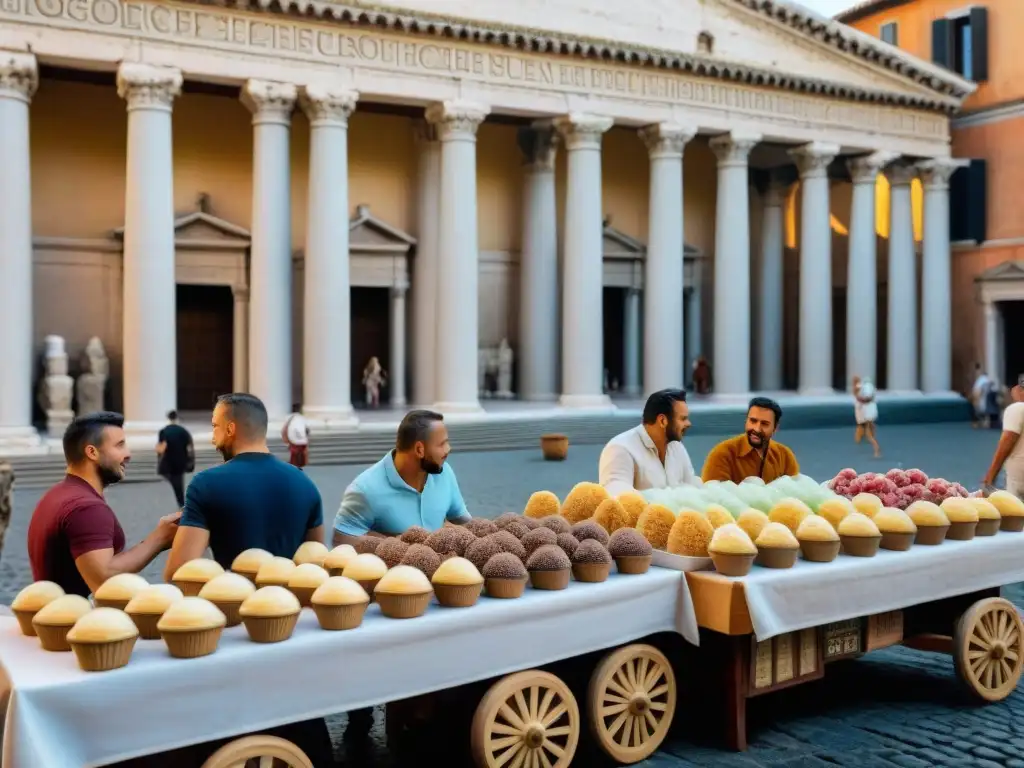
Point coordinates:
[(1010, 451), (650, 455), (296, 436)]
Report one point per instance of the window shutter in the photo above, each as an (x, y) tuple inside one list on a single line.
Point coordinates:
[(958, 205), (942, 43), (979, 44), (977, 207)]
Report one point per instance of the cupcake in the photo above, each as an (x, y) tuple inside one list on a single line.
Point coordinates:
[(190, 577), (148, 605), (32, 598), (338, 558), (542, 504), (516, 527), (549, 568), (1011, 509), (248, 562), (655, 523), (556, 523), (103, 639), (633, 504), (270, 614), (505, 576), (450, 540), (867, 504), (989, 518), (339, 603), (228, 591), (305, 579), (583, 501), (834, 510), (310, 552), (567, 542), (482, 550), (789, 512), (118, 590), (191, 627), (538, 538), (718, 515), (611, 516), (963, 518), (752, 521), (777, 547), (415, 534), (53, 621), (819, 541), (367, 569), (457, 583), (367, 544), (732, 551), (859, 535), (507, 542), (591, 562), (275, 572), (932, 523), (403, 592), (631, 551), (590, 529), (481, 527), (423, 557), (392, 551), (690, 534), (897, 529)]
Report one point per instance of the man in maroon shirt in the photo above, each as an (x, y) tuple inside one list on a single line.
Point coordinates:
[(74, 538)]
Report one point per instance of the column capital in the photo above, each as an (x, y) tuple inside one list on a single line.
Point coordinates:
[(268, 101), (424, 132), (582, 131), (456, 120), (864, 169), (145, 86), (19, 75), (900, 173), (328, 105), (398, 291), (733, 149), (812, 160), (666, 139), (539, 145), (935, 173)]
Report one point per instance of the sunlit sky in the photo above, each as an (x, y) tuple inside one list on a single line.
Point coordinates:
[(828, 7)]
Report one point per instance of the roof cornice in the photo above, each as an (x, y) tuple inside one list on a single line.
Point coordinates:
[(949, 90), (868, 8)]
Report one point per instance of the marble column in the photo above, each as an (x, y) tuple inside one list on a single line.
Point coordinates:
[(458, 257), (631, 344), (771, 272), (424, 264), (396, 376), (730, 367), (937, 277), (148, 279), (993, 342), (19, 79), (694, 310), (862, 269), (240, 367), (538, 267), (901, 359), (327, 328), (270, 267), (663, 266), (812, 160), (582, 263)]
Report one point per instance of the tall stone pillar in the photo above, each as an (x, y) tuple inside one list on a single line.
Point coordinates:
[(538, 267), (458, 256), (862, 269), (771, 272), (270, 267), (993, 342), (694, 312), (812, 161), (901, 359), (424, 265), (936, 274), (240, 365), (327, 324), (19, 79), (583, 254), (149, 347), (631, 344), (730, 368), (397, 373), (663, 267)]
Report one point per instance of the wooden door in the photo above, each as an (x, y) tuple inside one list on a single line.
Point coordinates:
[(614, 322), (205, 341), (371, 335)]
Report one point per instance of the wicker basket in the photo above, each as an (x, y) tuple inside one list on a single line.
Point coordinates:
[(554, 447)]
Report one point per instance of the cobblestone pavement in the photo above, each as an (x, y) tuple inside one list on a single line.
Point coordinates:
[(893, 708)]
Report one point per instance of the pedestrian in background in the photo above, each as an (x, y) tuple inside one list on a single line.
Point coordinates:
[(865, 410), (175, 456), (295, 434)]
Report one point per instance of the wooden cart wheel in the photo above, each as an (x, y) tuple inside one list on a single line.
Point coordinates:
[(987, 649), (258, 752), (526, 720), (631, 702)]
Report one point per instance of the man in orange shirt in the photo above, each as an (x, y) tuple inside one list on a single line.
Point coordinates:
[(752, 454)]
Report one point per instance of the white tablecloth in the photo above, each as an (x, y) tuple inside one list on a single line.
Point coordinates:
[(811, 594), (60, 717)]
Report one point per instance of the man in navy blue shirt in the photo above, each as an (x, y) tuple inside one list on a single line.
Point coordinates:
[(251, 500)]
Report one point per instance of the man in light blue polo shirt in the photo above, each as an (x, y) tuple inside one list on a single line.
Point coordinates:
[(411, 485)]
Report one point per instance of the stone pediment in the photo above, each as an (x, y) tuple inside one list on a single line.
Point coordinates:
[(201, 230), (618, 245), (1008, 271), (368, 234)]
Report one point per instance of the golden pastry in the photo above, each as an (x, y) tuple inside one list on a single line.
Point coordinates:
[(457, 582), (28, 602), (819, 541), (53, 621), (732, 551), (834, 510), (963, 518), (989, 519), (311, 552), (690, 534), (932, 523), (859, 535), (338, 558), (190, 577), (118, 590), (103, 639), (897, 529), (275, 572), (228, 591), (1010, 508), (248, 562), (777, 547), (789, 512), (305, 579), (191, 627), (149, 605), (867, 504), (403, 592), (752, 521), (270, 614), (339, 603)]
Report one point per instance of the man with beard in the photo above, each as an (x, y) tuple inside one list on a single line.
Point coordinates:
[(650, 455), (74, 537), (252, 500), (411, 485), (754, 453)]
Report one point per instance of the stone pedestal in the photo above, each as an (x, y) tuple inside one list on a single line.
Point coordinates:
[(90, 388), (56, 388)]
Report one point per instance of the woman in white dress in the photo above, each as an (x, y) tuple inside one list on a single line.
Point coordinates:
[(865, 410)]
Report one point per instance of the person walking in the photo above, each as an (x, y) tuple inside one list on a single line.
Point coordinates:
[(1010, 450), (295, 434), (865, 410), (175, 456)]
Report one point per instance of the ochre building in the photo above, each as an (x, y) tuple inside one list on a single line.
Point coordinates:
[(263, 196)]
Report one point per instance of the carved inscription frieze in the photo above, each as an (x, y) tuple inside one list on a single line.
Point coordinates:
[(209, 27)]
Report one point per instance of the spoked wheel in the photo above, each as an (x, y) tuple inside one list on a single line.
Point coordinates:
[(259, 752), (526, 720), (987, 650), (631, 702)]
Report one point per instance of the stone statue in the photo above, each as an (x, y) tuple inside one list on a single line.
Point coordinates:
[(6, 498), (374, 377), (92, 383), (505, 359), (56, 388)]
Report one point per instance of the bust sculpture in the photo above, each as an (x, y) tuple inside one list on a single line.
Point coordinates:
[(56, 387), (92, 383)]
